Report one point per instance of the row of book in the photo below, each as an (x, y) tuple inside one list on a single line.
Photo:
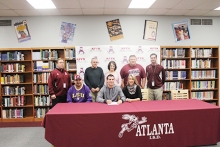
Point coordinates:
[(44, 66), (198, 52), (41, 77), (13, 90), (174, 75), (172, 86), (173, 53), (70, 53), (201, 63), (170, 64), (13, 113), (203, 85), (70, 66), (45, 55), (40, 112), (12, 56), (13, 101), (203, 74), (40, 89), (12, 67), (42, 101), (12, 79), (206, 95)]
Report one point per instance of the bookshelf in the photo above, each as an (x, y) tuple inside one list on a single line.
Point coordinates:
[(24, 73), (194, 68)]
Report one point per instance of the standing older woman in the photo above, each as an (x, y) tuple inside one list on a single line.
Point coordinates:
[(132, 90), (112, 70)]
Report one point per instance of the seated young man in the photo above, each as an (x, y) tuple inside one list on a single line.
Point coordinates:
[(109, 93), (79, 92)]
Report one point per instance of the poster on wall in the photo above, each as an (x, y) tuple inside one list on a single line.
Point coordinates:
[(118, 53), (22, 31), (181, 31), (150, 30), (114, 29), (67, 31)]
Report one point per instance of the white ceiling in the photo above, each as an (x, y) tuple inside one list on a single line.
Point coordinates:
[(112, 7)]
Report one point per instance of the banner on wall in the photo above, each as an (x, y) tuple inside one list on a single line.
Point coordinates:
[(67, 31), (181, 31), (118, 53), (114, 29), (22, 31)]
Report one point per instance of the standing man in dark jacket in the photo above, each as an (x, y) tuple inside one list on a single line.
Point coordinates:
[(155, 78), (94, 78), (59, 82)]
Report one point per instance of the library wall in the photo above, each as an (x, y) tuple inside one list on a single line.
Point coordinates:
[(92, 30)]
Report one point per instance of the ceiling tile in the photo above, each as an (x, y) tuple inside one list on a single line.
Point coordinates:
[(117, 3), (114, 11), (188, 4), (212, 13), (156, 11), (8, 13), (176, 12), (209, 4), (2, 6), (27, 12), (71, 11), (92, 4), (196, 12), (67, 3), (165, 3), (17, 4), (93, 11), (49, 11), (135, 11)]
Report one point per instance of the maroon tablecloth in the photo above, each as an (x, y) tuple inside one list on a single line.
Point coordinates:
[(177, 123)]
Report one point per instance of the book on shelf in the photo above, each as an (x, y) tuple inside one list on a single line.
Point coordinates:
[(40, 89), (203, 74), (70, 66), (12, 79), (197, 85), (171, 64), (173, 52), (201, 52), (12, 113), (42, 101), (172, 86), (49, 54), (13, 90), (12, 67), (41, 77), (44, 66), (206, 95), (13, 101), (12, 56), (70, 53), (40, 112)]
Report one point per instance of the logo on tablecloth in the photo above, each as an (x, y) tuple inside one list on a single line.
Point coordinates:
[(152, 131)]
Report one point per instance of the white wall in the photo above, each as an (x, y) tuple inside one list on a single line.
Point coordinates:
[(92, 30)]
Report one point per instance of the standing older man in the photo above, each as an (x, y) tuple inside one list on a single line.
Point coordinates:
[(79, 92), (135, 69), (94, 78), (110, 92)]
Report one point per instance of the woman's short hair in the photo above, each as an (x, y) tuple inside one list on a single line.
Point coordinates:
[(134, 78), (112, 62)]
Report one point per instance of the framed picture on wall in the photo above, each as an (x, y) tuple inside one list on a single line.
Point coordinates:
[(150, 30), (181, 31), (114, 29)]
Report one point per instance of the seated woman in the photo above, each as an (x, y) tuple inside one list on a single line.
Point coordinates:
[(112, 70), (132, 91)]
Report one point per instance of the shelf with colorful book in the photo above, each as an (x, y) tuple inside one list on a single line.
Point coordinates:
[(16, 84), (204, 73), (70, 61), (176, 62)]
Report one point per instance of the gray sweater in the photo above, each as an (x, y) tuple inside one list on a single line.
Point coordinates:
[(110, 94)]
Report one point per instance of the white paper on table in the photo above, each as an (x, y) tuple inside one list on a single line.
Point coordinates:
[(113, 103)]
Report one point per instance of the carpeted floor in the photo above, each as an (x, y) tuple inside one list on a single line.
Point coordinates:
[(29, 137)]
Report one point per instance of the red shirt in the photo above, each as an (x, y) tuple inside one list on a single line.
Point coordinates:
[(136, 70), (59, 82), (157, 73)]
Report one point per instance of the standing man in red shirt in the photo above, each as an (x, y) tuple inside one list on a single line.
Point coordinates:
[(59, 82), (135, 69), (155, 78)]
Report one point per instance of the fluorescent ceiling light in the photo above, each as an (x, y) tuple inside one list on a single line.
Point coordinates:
[(217, 8), (42, 4), (141, 3)]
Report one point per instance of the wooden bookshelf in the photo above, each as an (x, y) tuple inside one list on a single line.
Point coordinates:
[(201, 66), (30, 56)]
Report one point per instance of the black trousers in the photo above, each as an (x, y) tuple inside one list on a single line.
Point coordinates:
[(59, 99)]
